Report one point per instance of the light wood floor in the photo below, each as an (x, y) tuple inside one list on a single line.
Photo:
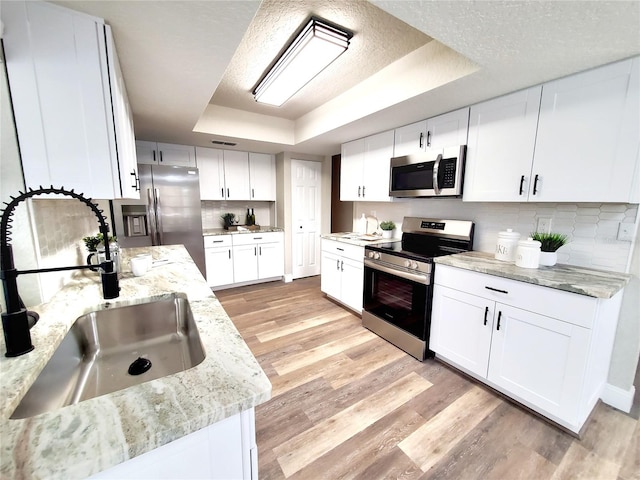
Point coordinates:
[(347, 404)]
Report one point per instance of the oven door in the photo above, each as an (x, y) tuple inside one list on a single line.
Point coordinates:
[(397, 306)]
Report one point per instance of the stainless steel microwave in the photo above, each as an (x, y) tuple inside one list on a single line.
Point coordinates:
[(435, 173)]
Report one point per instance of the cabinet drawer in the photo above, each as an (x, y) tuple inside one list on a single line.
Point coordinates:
[(354, 252), (255, 238), (217, 241), (569, 307)]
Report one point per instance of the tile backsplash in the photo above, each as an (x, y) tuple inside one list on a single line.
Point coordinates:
[(213, 210), (592, 228)]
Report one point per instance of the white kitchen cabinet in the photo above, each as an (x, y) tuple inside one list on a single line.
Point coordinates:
[(589, 136), (342, 273), (442, 131), (584, 130), (547, 349), (502, 134), (262, 176), (72, 116), (258, 256), (218, 252), (236, 175), (225, 450), (211, 173), (152, 153), (365, 167)]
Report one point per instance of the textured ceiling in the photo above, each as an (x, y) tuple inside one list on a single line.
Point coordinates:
[(379, 39), (177, 56)]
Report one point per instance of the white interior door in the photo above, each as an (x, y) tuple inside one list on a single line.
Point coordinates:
[(305, 213)]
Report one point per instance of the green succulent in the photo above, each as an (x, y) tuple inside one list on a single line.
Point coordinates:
[(387, 225), (93, 242), (550, 241)]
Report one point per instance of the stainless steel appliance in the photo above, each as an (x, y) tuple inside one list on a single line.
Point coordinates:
[(435, 173), (398, 280), (167, 213)]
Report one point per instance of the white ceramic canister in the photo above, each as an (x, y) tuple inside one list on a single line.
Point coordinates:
[(507, 245), (528, 253)]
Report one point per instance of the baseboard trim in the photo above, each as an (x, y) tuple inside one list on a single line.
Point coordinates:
[(618, 397), (288, 277)]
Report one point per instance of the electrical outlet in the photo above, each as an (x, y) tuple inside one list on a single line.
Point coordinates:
[(626, 231), (544, 225)]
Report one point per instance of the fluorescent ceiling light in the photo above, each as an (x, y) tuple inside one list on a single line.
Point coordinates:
[(314, 48)]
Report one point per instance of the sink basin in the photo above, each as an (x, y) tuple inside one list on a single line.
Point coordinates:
[(96, 354)]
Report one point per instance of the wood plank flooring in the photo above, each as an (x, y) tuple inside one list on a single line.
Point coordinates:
[(347, 404)]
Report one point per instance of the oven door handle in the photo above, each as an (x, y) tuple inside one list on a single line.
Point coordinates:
[(421, 279)]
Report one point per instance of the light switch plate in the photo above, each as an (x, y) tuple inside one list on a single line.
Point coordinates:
[(544, 225), (626, 231)]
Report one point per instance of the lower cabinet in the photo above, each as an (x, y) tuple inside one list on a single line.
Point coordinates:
[(547, 349), (222, 451), (342, 273), (244, 258), (219, 260)]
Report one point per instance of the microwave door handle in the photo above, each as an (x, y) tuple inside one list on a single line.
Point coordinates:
[(436, 166)]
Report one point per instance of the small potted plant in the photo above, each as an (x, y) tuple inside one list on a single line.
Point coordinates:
[(550, 243), (228, 218), (387, 228)]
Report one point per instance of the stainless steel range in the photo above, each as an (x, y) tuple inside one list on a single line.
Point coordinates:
[(398, 280)]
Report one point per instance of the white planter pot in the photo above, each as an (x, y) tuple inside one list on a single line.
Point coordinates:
[(548, 259), (387, 233)]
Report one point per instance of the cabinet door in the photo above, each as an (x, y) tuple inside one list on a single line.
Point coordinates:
[(377, 167), (351, 165), (461, 328), (211, 169), (270, 260), (588, 136), (123, 124), (352, 283), (410, 139), (245, 263), (176, 155), (262, 176), (57, 70), (219, 263), (448, 130), (236, 175), (502, 135), (330, 275), (539, 359), (147, 153)]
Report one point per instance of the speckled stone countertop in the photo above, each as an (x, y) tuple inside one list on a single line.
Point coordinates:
[(82, 439), (582, 280), (352, 239), (221, 231)]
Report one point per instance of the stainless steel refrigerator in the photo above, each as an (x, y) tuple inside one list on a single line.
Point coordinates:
[(167, 213)]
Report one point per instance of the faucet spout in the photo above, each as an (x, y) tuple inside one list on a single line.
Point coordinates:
[(15, 321)]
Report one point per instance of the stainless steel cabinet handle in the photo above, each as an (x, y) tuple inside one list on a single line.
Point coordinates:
[(342, 266), (499, 317), (421, 139), (253, 193), (255, 251), (228, 193), (337, 264), (486, 312), (535, 185), (154, 155), (521, 183), (161, 156), (436, 166), (363, 187), (358, 191), (222, 192), (136, 181), (260, 249), (428, 138), (496, 290), (229, 254)]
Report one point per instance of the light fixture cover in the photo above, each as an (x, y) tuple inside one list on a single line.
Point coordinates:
[(314, 48)]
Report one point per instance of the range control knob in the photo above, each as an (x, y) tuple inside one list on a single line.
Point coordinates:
[(376, 256), (370, 255), (407, 264), (414, 265)]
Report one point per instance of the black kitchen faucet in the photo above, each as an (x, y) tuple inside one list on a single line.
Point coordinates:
[(15, 321)]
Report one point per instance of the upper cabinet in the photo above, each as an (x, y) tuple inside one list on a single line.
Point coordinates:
[(235, 175), (71, 110), (262, 176), (152, 153), (574, 139), (438, 132), (588, 136), (365, 167), (502, 134)]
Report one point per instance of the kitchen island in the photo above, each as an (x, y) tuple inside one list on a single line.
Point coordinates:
[(94, 435)]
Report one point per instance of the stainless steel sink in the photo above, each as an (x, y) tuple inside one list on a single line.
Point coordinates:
[(95, 356)]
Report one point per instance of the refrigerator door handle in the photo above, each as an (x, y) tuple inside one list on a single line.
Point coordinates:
[(151, 215), (159, 217)]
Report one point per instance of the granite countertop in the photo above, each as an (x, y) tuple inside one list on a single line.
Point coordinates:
[(354, 239), (582, 280), (221, 231), (82, 439)]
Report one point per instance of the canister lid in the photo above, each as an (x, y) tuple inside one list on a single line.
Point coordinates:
[(529, 243), (509, 233)]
